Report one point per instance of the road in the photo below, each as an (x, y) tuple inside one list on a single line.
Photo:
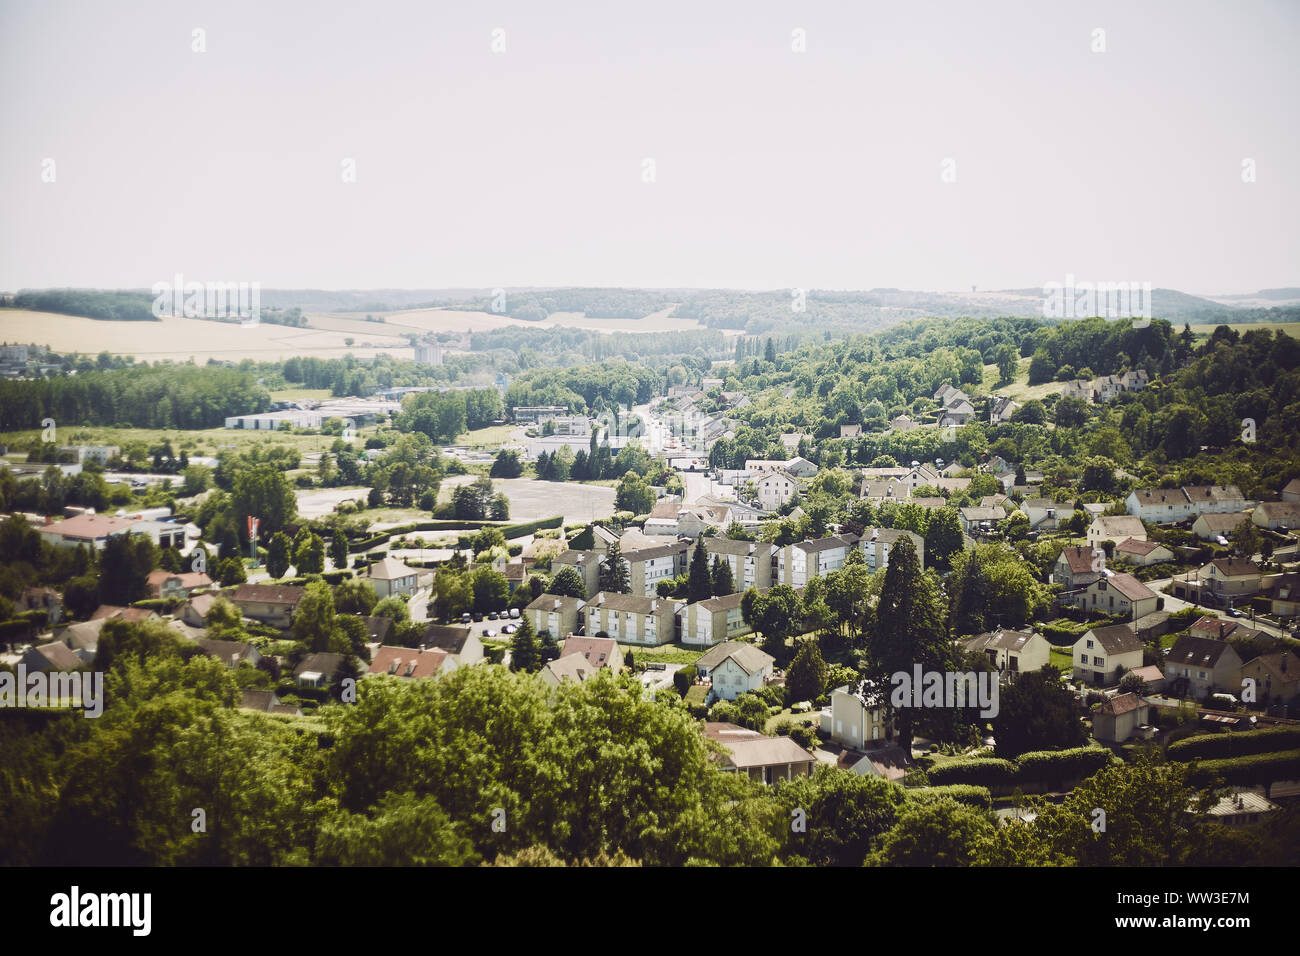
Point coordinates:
[(1174, 605)]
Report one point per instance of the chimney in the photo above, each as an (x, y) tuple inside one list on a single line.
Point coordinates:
[(1222, 627)]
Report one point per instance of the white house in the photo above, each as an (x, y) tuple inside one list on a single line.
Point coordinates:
[(857, 715), (1176, 504), (1103, 653), (735, 669), (775, 488), (1115, 528), (1012, 652), (390, 576)]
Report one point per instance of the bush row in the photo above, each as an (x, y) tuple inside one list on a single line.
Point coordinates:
[(963, 793), (1219, 746), (1031, 770), (1250, 770)]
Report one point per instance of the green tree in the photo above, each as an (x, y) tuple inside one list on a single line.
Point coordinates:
[(568, 582), (699, 584), (723, 581), (634, 494), (393, 608), (806, 678), (309, 556), (314, 617), (355, 596), (943, 538), (339, 550), (615, 576), (277, 555), (1036, 712), (525, 655), (262, 491), (940, 832)]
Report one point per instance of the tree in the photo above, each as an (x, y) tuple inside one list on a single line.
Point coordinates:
[(806, 678), (355, 596), (699, 584), (262, 491), (339, 550), (314, 617), (506, 465), (1006, 358), (909, 628), (1036, 712), (845, 814), (615, 576), (943, 538), (769, 352), (1246, 538), (634, 494), (939, 832), (393, 608), (277, 555), (491, 589), (499, 510), (723, 582), (124, 569), (524, 653), (231, 571), (568, 582), (309, 556), (548, 649)]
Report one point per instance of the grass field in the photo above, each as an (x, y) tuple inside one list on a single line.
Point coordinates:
[(666, 653), (1290, 328), (196, 442), (494, 436), (1062, 657)]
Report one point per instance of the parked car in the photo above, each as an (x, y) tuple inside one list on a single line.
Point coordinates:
[(490, 632), (1233, 612), (478, 616), (492, 616), (509, 628), (465, 618), (514, 614)]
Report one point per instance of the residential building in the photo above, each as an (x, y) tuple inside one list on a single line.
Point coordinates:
[(750, 561), (1242, 808), (1117, 719), (710, 622), (1142, 553), (43, 599), (1001, 410), (597, 652), (166, 584), (1276, 677), (875, 545), (775, 488), (1012, 652), (54, 656), (801, 467), (1115, 528), (735, 669), (799, 563), (586, 563), (1118, 594), (1277, 515), (632, 618), (1284, 594), (1200, 666), (555, 613), (412, 662), (791, 442), (460, 641), (649, 566), (1292, 490), (1230, 579), (390, 577), (850, 431), (271, 604), (266, 702), (319, 670), (91, 530), (574, 668), (1044, 514), (1209, 526), (857, 715), (1177, 504), (762, 758), (1103, 654), (230, 653), (977, 520), (1079, 566)]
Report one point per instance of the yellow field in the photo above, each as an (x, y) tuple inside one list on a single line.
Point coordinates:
[(1290, 328), (207, 441), (181, 339)]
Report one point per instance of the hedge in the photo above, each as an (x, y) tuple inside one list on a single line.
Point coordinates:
[(1060, 766), (366, 544), (1250, 770), (335, 577), (980, 772), (520, 530), (963, 793), (1243, 744)]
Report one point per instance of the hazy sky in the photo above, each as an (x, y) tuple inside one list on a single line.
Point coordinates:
[(773, 169)]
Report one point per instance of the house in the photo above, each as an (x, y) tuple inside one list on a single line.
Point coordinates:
[(791, 442), (1277, 515), (412, 662), (1153, 679), (765, 759), (632, 618), (886, 489), (379, 629), (1207, 527), (799, 563), (1241, 808), (1216, 627), (54, 656), (1102, 654), (230, 653), (555, 613), (1079, 388), (598, 652), (166, 584), (196, 609), (1118, 594), (977, 520), (91, 530), (43, 599), (957, 414), (83, 639), (271, 604), (1115, 528), (1177, 504), (574, 668), (875, 544), (586, 563), (750, 561), (648, 566), (1001, 410), (800, 467), (266, 702), (1011, 652), (1116, 720), (903, 424), (888, 762), (319, 670), (1150, 626), (1276, 677), (464, 646), (775, 488), (1201, 666), (734, 669), (857, 715), (99, 454), (850, 431), (718, 619), (1142, 553), (1044, 514), (1078, 566), (1229, 579), (1292, 490), (132, 615), (391, 577), (1284, 595)]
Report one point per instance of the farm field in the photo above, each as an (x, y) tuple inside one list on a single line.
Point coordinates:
[(451, 320), (182, 340), (1290, 328), (531, 499), (207, 441)]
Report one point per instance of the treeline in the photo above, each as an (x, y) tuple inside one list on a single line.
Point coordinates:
[(535, 305), (569, 346), (91, 303), (444, 416), (140, 396)]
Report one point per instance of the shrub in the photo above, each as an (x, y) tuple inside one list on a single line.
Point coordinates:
[(1246, 743), (1254, 769), (804, 736), (1047, 767), (982, 772), (978, 797)]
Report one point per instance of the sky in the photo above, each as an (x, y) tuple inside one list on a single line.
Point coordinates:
[(921, 145)]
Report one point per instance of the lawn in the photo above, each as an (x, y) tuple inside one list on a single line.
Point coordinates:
[(207, 441), (1062, 657), (665, 653), (494, 436)]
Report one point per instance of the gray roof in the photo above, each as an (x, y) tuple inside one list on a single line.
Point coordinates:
[(750, 658)]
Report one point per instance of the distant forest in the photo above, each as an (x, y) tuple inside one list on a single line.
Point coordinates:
[(89, 303)]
